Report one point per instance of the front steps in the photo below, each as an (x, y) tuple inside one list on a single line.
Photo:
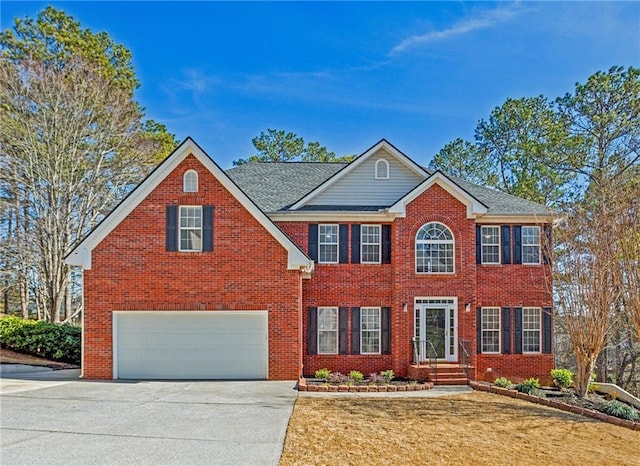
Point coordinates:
[(440, 374)]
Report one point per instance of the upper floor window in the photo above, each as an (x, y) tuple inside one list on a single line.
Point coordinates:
[(328, 244), (490, 244), (490, 329), (382, 170), (434, 249), (370, 244), (190, 181), (327, 330), (530, 245), (531, 330), (190, 228)]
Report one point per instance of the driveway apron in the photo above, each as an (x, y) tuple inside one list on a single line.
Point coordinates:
[(72, 422)]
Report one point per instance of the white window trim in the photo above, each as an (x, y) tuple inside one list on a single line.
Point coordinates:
[(337, 243), (379, 331), (483, 330), (539, 310), (522, 245), (382, 162), (336, 330), (181, 228), (379, 244), (452, 242), (482, 244), (185, 187)]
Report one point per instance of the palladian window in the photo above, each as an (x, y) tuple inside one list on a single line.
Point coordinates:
[(434, 249)]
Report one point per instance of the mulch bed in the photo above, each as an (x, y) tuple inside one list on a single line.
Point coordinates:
[(12, 357), (314, 385)]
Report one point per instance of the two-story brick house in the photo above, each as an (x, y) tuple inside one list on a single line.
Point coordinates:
[(274, 270)]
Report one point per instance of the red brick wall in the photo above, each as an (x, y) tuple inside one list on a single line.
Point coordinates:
[(247, 270)]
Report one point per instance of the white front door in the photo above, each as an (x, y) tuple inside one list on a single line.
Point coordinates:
[(436, 329)]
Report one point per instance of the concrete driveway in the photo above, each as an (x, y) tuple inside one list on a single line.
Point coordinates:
[(54, 418)]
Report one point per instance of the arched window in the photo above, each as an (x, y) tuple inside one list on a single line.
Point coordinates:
[(190, 181), (434, 249), (382, 170)]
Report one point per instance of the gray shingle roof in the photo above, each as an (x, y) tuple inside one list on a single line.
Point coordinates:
[(276, 186)]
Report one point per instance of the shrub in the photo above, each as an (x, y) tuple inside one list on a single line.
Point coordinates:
[(337, 377), (323, 374), (60, 342), (621, 410), (562, 378), (356, 376), (530, 387), (388, 375), (502, 382)]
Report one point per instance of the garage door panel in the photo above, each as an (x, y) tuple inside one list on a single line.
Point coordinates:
[(214, 345)]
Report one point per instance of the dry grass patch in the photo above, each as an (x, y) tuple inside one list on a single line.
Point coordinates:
[(475, 428)]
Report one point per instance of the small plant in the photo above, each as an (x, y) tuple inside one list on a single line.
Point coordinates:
[(337, 377), (530, 387), (502, 382), (562, 378), (323, 374), (374, 377), (356, 376), (388, 375), (621, 410)]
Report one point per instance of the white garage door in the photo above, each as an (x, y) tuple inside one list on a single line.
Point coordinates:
[(190, 345)]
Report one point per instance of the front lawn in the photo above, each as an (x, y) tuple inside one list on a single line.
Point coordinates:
[(475, 428)]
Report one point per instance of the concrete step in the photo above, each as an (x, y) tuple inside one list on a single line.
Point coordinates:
[(451, 381)]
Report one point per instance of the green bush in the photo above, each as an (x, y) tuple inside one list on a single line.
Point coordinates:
[(530, 387), (356, 376), (388, 375), (562, 378), (621, 410), (323, 374), (59, 342), (502, 382)]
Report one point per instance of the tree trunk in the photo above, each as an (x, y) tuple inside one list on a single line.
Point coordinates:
[(582, 378)]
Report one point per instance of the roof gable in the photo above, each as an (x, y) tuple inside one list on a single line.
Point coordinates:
[(81, 254), (359, 177)]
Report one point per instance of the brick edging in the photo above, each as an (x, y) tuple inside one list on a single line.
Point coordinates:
[(303, 387), (485, 387)]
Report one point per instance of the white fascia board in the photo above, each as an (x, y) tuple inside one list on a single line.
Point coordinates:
[(515, 218), (81, 255), (474, 207), (383, 144), (332, 216)]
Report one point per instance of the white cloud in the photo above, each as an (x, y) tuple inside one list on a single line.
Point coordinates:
[(484, 20)]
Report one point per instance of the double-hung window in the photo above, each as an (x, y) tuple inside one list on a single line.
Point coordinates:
[(490, 329), (328, 244), (490, 244), (327, 330), (530, 245), (190, 228), (531, 329), (370, 330), (370, 244)]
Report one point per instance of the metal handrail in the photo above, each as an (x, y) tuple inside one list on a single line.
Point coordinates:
[(432, 356), (433, 362), (465, 357)]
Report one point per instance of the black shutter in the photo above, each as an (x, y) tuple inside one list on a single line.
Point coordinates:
[(546, 244), (547, 319), (506, 330), (312, 331), (207, 228), (355, 330), (478, 244), (505, 234), (517, 244), (479, 330), (386, 244), (343, 330), (355, 244), (517, 330), (313, 241), (343, 246), (172, 228), (385, 325)]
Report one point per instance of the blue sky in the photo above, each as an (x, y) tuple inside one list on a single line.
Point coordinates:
[(347, 74)]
